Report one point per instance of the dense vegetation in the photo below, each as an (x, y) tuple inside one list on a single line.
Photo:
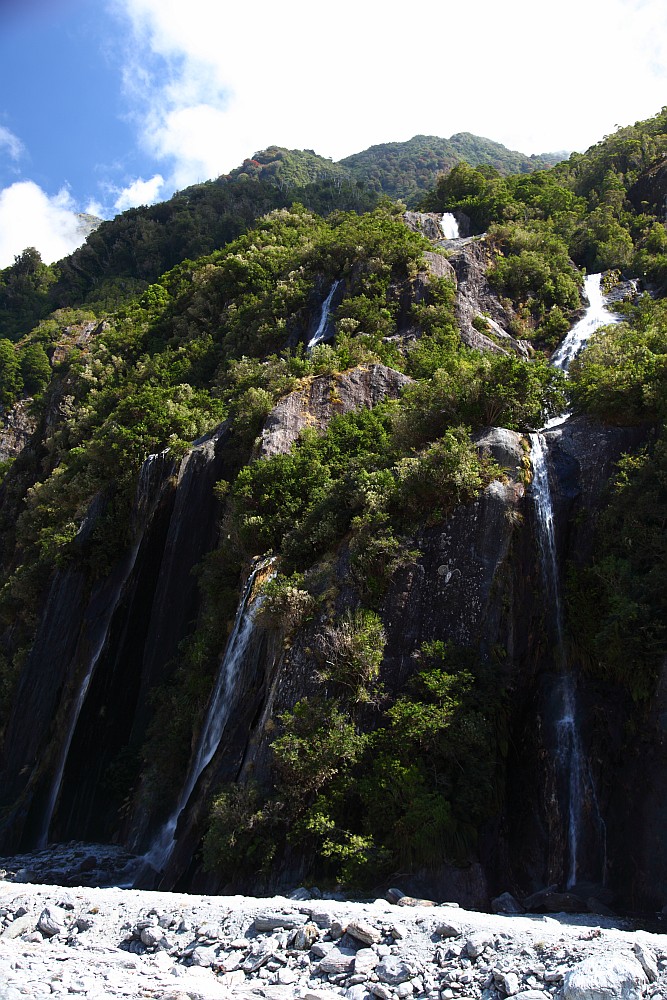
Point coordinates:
[(409, 170), (123, 256), (130, 347)]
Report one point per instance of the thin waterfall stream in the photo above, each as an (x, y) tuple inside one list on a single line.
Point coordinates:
[(580, 807), (320, 333), (220, 705), (147, 496)]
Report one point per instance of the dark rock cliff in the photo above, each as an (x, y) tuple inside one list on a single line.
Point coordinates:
[(474, 580)]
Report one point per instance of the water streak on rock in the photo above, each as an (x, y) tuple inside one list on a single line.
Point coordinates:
[(220, 705)]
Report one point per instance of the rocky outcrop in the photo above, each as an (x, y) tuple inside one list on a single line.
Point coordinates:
[(426, 223), (324, 397), (16, 428), (476, 302), (76, 337), (483, 320)]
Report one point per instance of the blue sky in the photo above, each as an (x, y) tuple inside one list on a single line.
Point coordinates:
[(107, 104)]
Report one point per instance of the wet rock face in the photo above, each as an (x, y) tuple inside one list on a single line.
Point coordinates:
[(581, 458), (325, 397), (17, 427)]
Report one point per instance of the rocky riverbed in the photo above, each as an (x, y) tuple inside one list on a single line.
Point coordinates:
[(113, 942)]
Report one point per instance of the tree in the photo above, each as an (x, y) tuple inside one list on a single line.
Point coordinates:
[(35, 369), (11, 384)]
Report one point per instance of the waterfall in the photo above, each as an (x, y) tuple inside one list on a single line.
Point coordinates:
[(583, 817), (449, 226), (320, 333), (596, 315), (569, 758), (544, 511), (220, 704), (147, 496)]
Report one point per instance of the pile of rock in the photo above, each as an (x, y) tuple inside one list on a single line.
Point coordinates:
[(110, 942)]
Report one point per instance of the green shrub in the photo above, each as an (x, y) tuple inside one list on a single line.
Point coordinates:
[(351, 652)]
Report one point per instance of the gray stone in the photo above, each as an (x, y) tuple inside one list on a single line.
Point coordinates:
[(646, 959), (235, 978), (321, 948), (337, 961), (509, 983), (380, 991), (476, 944), (208, 931), (285, 977), (320, 917), (414, 901), (301, 894), (447, 930), (365, 961), (259, 956), (204, 957), (276, 921), (16, 428), (356, 992), (399, 932), (475, 298), (19, 926), (362, 931), (605, 977), (505, 903), (52, 920), (393, 970), (305, 937), (153, 937)]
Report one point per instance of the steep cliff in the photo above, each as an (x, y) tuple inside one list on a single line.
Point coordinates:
[(274, 604)]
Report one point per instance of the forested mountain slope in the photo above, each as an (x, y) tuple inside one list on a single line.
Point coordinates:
[(125, 254), (409, 170), (273, 598)]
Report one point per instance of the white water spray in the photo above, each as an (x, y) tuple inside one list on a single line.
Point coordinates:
[(219, 708), (449, 226), (596, 315), (320, 333)]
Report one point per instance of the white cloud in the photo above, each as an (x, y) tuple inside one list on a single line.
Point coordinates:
[(237, 77), (31, 218), (11, 143), (139, 192), (94, 207)]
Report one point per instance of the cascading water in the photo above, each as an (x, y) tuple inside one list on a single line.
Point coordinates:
[(596, 315), (449, 226), (582, 814), (320, 333), (146, 498), (219, 708)]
